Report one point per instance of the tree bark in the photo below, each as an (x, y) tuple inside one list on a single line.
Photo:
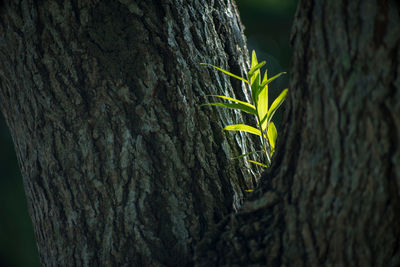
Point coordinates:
[(121, 165), (332, 196)]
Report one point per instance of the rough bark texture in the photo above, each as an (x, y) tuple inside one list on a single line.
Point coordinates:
[(332, 196), (120, 164)]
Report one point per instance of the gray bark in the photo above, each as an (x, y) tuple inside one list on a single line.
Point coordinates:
[(332, 196), (121, 165)]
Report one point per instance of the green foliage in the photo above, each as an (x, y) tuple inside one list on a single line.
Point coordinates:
[(259, 94)]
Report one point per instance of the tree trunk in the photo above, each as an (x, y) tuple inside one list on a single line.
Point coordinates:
[(121, 165), (332, 196)]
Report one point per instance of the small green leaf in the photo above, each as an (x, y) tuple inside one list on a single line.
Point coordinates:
[(262, 104), (262, 108), (256, 73), (258, 163), (265, 77), (254, 61), (234, 100), (276, 104), (242, 127), (244, 155), (266, 82), (272, 134), (255, 68), (255, 87), (226, 72), (233, 106)]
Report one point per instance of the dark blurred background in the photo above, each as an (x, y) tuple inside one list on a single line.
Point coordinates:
[(268, 24)]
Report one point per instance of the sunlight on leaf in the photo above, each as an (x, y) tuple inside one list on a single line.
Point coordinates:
[(255, 68), (272, 134), (256, 74), (275, 105), (234, 100), (254, 61), (265, 82), (233, 106), (262, 104), (226, 72), (258, 163), (242, 127), (255, 87)]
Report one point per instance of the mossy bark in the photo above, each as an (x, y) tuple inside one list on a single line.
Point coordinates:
[(120, 163), (332, 196)]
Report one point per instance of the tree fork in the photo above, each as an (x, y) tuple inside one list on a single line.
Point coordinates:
[(331, 197)]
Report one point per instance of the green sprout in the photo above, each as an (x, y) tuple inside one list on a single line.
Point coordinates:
[(259, 96)]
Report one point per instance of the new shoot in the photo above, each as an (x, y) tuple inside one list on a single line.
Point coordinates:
[(265, 129)]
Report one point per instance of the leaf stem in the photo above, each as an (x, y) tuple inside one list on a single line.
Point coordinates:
[(263, 138)]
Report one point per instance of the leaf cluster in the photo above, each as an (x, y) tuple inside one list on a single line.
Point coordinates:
[(259, 107)]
